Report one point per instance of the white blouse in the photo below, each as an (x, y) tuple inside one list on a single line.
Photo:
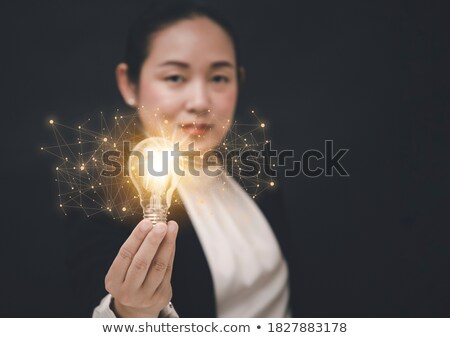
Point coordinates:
[(249, 272)]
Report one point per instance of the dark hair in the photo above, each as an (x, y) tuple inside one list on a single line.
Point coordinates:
[(152, 21)]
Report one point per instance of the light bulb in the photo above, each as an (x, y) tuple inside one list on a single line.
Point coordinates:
[(152, 173)]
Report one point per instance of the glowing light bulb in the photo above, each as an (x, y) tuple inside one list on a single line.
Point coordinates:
[(152, 173)]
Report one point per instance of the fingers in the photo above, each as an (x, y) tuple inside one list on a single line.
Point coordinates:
[(143, 266), (168, 276), (162, 263), (164, 290), (140, 265), (119, 267)]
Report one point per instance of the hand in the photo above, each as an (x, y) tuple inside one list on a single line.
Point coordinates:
[(139, 277)]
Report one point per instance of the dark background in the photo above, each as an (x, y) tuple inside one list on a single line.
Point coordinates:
[(372, 76)]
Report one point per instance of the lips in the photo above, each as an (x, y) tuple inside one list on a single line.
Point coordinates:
[(196, 129)]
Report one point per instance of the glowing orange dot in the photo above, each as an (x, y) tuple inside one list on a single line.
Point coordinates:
[(263, 125), (51, 121), (105, 139), (272, 184), (124, 209)]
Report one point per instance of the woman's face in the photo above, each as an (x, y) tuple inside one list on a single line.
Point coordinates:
[(188, 84)]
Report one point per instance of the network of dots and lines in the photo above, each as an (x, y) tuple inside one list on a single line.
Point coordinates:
[(78, 167)]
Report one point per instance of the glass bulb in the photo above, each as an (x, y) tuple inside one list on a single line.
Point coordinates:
[(151, 171)]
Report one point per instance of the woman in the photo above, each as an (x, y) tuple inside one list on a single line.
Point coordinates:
[(182, 70)]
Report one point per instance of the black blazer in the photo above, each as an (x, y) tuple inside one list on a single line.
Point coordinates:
[(95, 241)]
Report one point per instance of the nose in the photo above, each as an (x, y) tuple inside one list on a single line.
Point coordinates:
[(199, 101)]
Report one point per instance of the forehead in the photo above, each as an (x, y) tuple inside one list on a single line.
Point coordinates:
[(196, 41)]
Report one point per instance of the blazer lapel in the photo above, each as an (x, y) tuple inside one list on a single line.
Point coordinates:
[(193, 290), (192, 284)]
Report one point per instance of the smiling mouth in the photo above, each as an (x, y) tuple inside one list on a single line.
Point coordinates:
[(196, 129)]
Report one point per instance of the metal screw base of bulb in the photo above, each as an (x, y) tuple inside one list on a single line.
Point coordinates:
[(156, 215)]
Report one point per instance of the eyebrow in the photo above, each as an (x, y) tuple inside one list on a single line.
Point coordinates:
[(214, 65), (221, 64)]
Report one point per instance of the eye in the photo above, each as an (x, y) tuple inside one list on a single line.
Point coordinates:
[(174, 78), (220, 79)]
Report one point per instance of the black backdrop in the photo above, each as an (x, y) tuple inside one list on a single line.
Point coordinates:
[(372, 76)]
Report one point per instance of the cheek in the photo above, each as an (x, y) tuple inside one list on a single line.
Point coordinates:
[(156, 106), (151, 124), (155, 97), (225, 104)]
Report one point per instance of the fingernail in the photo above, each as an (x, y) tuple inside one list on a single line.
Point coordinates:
[(159, 228), (172, 226)]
